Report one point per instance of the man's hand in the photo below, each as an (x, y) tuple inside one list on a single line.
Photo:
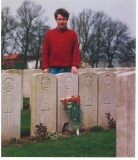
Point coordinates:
[(74, 70), (46, 70)]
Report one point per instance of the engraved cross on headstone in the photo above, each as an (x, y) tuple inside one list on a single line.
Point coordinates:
[(43, 112), (88, 100), (45, 107), (107, 83), (107, 101), (8, 114)]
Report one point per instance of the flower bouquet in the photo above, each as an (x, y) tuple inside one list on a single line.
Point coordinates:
[(72, 107)]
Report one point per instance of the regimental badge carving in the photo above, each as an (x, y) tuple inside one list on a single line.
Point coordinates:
[(46, 83), (88, 81), (8, 85), (68, 83), (107, 80)]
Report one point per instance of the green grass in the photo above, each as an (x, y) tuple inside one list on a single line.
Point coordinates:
[(25, 122), (100, 144), (26, 103), (97, 144), (25, 118)]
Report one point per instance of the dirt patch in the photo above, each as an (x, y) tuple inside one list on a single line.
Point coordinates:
[(51, 135), (29, 139)]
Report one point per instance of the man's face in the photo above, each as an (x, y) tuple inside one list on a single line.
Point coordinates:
[(61, 21)]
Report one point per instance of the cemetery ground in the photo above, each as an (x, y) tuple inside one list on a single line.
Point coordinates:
[(90, 143)]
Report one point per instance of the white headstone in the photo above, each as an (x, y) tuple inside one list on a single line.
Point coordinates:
[(124, 69), (106, 96), (11, 105), (88, 97), (43, 101), (67, 87), (125, 114), (27, 74), (19, 72), (26, 83), (132, 68)]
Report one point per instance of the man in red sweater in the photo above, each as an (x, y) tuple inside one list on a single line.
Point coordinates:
[(60, 52)]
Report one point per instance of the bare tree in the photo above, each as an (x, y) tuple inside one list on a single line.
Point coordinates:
[(27, 16), (117, 35), (97, 39), (127, 54), (101, 39), (36, 39), (83, 24), (7, 28)]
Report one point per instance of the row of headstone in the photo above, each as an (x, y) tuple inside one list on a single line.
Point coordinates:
[(97, 93), (25, 80), (26, 74), (100, 93), (95, 70), (46, 105)]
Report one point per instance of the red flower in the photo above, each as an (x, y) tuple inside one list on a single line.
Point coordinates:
[(65, 101)]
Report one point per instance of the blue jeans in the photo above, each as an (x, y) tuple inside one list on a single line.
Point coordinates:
[(56, 70)]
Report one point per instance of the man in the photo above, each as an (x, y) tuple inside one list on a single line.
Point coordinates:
[(60, 52)]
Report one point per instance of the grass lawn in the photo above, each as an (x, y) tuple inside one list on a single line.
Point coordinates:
[(25, 122), (98, 144)]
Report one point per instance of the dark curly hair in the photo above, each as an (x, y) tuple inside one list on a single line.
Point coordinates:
[(63, 12)]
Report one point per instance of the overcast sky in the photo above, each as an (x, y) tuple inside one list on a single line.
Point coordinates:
[(123, 10)]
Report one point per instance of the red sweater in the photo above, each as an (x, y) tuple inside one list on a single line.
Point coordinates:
[(60, 49)]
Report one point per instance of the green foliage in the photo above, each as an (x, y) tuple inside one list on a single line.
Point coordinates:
[(40, 132), (73, 113), (96, 128), (25, 122), (54, 135), (26, 103), (12, 140), (111, 121), (72, 107)]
